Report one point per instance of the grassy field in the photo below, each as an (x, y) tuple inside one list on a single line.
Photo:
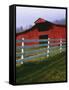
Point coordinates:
[(49, 70)]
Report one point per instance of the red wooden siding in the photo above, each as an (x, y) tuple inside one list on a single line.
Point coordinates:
[(57, 31)]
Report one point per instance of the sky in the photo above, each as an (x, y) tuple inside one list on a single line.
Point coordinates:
[(26, 16)]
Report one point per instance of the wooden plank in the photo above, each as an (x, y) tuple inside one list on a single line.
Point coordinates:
[(31, 57), (37, 40), (37, 45), (33, 46), (40, 50)]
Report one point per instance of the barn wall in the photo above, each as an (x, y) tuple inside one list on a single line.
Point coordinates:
[(55, 32), (28, 35)]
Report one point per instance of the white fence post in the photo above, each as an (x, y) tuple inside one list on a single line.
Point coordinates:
[(60, 45), (48, 48), (22, 51)]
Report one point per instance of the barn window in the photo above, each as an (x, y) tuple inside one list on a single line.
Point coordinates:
[(44, 26)]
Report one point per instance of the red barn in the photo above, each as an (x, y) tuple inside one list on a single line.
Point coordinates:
[(43, 30)]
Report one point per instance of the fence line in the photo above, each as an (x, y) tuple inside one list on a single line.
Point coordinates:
[(31, 57), (36, 51), (27, 46), (60, 43), (37, 40)]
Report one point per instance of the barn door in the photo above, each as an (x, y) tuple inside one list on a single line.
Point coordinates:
[(43, 37)]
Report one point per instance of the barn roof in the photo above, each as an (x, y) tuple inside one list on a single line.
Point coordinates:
[(40, 22)]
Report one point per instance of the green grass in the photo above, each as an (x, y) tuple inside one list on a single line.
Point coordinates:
[(49, 70)]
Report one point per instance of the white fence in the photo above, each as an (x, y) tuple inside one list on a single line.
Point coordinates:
[(35, 49)]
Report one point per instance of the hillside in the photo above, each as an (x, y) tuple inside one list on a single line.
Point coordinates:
[(49, 70)]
